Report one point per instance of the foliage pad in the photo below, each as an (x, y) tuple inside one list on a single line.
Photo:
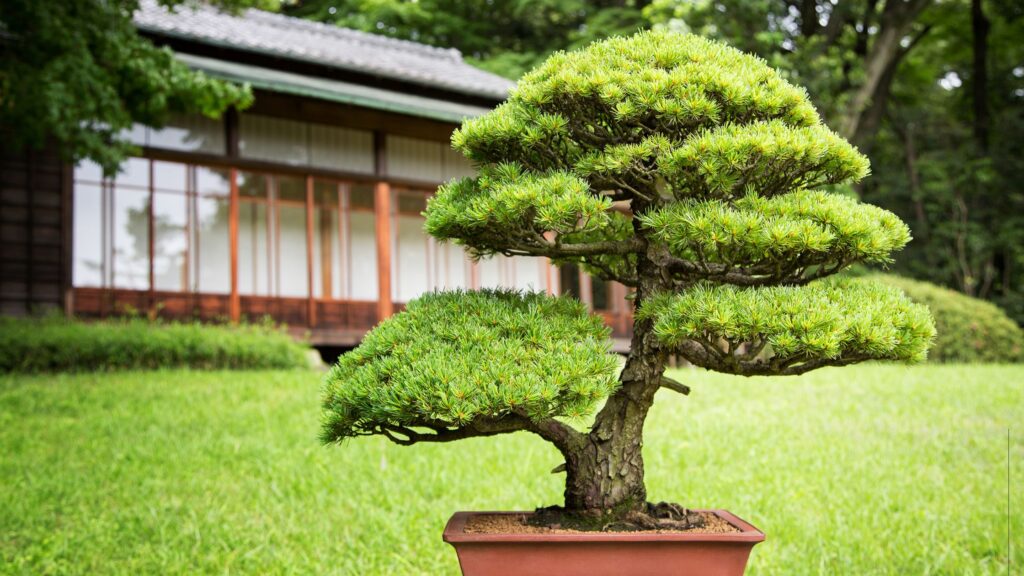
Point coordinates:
[(452, 358), (785, 330)]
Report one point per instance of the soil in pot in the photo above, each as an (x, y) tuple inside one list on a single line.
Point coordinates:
[(542, 523)]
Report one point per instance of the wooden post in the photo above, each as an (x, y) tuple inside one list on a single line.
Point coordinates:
[(235, 305), (382, 209), (66, 238), (310, 301)]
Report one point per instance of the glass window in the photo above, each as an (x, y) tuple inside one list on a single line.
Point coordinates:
[(189, 133), (211, 268), (88, 242), (170, 241), (131, 239), (191, 242), (138, 134), (134, 173), (170, 176), (412, 202), (291, 189), (361, 197), (255, 247), (88, 171)]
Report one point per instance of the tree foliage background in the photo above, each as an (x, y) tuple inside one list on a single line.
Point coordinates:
[(77, 73), (932, 91)]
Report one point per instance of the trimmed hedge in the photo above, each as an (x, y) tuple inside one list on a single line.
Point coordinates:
[(969, 329), (57, 344)]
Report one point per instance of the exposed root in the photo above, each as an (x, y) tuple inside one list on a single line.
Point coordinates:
[(660, 516)]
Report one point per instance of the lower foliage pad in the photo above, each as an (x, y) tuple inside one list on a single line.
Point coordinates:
[(452, 358)]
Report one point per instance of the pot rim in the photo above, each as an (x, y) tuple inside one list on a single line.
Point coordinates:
[(454, 532)]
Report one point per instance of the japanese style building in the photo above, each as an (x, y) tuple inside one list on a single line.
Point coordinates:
[(305, 207)]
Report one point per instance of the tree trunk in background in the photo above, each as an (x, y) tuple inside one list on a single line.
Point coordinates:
[(882, 57)]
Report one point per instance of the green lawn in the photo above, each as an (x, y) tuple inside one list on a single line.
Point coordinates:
[(862, 470)]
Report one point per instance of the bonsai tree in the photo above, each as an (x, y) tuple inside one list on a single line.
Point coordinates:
[(677, 166)]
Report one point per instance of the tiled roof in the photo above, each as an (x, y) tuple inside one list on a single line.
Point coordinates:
[(329, 45)]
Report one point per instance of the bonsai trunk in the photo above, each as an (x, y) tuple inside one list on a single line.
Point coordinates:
[(605, 473)]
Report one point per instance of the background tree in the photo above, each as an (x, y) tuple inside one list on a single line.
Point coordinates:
[(507, 38), (77, 73), (724, 235), (919, 86)]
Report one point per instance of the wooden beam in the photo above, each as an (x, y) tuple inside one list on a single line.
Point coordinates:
[(311, 300), (234, 306), (66, 237)]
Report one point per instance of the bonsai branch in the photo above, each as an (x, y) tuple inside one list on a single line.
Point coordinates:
[(564, 437), (675, 386), (791, 273), (744, 359), (557, 249)]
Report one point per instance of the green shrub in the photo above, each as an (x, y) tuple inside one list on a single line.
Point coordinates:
[(57, 344), (969, 329)]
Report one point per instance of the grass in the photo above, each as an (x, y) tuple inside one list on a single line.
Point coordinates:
[(861, 470)]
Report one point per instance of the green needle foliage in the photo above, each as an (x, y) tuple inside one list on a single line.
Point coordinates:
[(505, 201), (809, 226), (832, 321), (454, 358), (679, 167)]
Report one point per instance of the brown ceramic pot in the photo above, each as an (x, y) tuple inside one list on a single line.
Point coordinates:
[(602, 553)]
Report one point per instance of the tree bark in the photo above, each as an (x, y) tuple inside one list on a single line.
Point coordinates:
[(606, 475), (896, 20)]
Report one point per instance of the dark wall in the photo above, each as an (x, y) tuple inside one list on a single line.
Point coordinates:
[(33, 231)]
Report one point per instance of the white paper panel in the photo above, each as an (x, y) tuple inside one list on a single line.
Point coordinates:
[(253, 256), (273, 139), (455, 165), (411, 270), (292, 274), (341, 149), (362, 236), (414, 159), (528, 274)]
